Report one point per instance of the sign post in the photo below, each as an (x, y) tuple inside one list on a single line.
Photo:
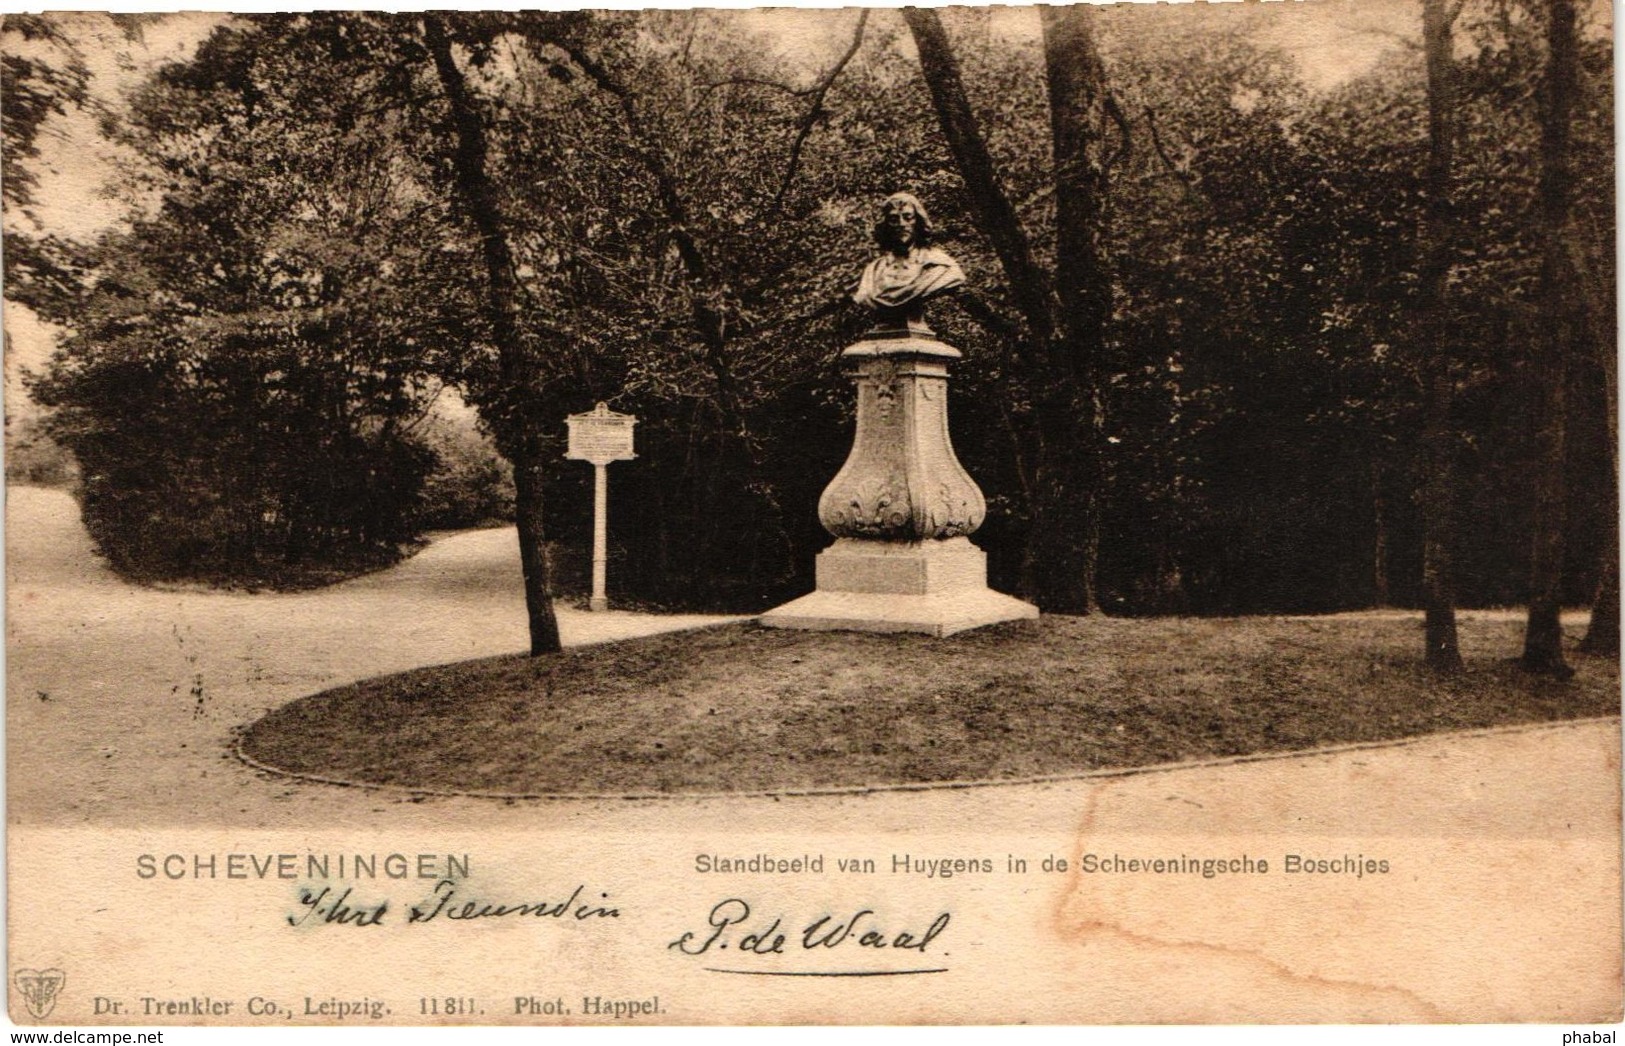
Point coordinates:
[(600, 436)]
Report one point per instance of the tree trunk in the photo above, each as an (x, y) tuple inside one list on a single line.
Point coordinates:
[(1069, 414), (1602, 637), (1543, 639), (1381, 594), (1443, 652), (1064, 317), (995, 215), (513, 419), (1077, 100)]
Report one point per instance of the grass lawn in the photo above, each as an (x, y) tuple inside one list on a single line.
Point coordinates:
[(744, 708)]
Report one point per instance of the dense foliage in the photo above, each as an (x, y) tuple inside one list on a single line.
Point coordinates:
[(251, 357), (245, 368)]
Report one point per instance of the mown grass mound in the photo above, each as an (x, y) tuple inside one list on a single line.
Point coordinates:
[(749, 709)]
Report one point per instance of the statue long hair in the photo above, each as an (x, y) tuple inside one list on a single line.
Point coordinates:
[(922, 224)]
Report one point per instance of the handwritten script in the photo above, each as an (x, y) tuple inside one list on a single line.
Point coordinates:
[(729, 925), (448, 902)]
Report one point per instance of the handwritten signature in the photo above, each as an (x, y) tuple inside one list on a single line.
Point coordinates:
[(327, 907), (864, 929)]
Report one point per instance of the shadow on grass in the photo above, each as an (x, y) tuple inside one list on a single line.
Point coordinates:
[(740, 708)]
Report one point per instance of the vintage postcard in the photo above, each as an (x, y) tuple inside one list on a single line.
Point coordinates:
[(1028, 515)]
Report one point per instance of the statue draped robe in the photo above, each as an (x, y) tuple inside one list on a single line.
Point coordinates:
[(893, 284)]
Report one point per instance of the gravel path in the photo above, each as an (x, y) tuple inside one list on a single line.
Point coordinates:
[(123, 701)]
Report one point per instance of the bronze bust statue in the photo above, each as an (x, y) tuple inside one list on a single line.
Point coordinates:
[(909, 272)]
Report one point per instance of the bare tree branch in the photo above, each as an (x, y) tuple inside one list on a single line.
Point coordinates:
[(1410, 43), (647, 149), (757, 81), (986, 316), (1185, 177), (745, 81), (1115, 111), (816, 110)]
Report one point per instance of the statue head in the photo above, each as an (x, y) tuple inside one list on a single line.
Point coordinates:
[(903, 223), (898, 283)]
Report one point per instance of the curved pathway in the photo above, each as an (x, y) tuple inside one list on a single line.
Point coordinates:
[(1502, 899), (123, 700)]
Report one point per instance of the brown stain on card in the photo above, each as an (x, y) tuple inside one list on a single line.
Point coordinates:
[(1078, 920)]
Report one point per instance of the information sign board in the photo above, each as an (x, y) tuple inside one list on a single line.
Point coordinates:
[(600, 436)]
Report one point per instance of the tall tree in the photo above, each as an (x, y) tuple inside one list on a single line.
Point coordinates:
[(517, 427), (1543, 638), (681, 208), (1438, 433), (720, 156), (1602, 635), (1068, 474), (1602, 355), (244, 364), (1063, 316)]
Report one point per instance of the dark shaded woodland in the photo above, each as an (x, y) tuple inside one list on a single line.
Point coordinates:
[(1234, 343)]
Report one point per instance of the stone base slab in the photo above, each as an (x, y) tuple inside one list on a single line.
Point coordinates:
[(936, 587), (901, 568), (937, 615)]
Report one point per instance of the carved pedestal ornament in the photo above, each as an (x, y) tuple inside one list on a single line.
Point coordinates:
[(901, 482), (902, 507)]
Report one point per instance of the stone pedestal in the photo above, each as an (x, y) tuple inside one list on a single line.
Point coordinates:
[(901, 508)]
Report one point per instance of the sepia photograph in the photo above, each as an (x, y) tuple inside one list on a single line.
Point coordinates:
[(1098, 514)]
